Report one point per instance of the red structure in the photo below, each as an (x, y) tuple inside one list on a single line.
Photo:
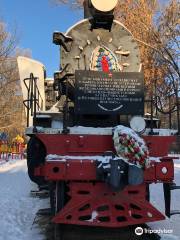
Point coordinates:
[(92, 202)]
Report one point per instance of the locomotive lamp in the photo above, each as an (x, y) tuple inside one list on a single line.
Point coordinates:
[(138, 124), (105, 6), (100, 12)]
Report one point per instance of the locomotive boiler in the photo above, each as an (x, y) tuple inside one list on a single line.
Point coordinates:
[(92, 147)]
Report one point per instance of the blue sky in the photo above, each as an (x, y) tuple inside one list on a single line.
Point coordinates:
[(36, 20)]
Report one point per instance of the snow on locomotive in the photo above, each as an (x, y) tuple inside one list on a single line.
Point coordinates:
[(96, 162)]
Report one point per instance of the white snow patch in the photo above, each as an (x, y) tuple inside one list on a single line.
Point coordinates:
[(101, 159), (61, 158), (177, 165), (91, 130), (17, 208), (72, 130), (161, 131), (174, 155), (10, 165), (156, 159), (57, 127), (93, 216)]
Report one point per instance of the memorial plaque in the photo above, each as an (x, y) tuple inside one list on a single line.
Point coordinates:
[(103, 93)]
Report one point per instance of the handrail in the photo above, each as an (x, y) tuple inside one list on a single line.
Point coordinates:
[(34, 101)]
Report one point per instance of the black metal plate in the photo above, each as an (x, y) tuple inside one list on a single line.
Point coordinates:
[(103, 93)]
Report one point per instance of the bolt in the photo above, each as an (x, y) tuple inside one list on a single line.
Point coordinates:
[(149, 215), (164, 170)]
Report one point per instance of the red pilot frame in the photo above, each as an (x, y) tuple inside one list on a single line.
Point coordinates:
[(92, 202)]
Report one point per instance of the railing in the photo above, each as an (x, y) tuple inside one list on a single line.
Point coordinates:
[(34, 101), (11, 151)]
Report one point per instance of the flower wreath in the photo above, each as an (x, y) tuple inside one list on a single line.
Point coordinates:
[(130, 147)]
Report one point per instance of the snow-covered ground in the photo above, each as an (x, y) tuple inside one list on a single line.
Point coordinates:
[(157, 200), (18, 208)]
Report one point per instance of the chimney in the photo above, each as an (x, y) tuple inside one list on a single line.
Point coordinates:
[(87, 12), (101, 12)]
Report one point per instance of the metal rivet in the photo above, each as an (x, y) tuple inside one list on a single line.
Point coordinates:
[(164, 170), (149, 215), (98, 38)]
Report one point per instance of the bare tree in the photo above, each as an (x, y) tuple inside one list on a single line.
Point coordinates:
[(166, 54), (11, 115)]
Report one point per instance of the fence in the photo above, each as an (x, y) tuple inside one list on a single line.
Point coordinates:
[(11, 151)]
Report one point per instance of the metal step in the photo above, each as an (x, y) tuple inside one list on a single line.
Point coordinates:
[(174, 212), (44, 212), (40, 194), (173, 186), (43, 187)]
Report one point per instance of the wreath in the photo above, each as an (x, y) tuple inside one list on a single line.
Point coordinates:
[(130, 147)]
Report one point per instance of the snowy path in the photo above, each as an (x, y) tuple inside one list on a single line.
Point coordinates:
[(17, 208)]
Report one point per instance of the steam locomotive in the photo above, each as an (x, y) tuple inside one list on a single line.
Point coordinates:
[(92, 147)]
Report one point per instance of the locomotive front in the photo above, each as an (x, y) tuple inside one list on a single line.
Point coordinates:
[(98, 169)]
